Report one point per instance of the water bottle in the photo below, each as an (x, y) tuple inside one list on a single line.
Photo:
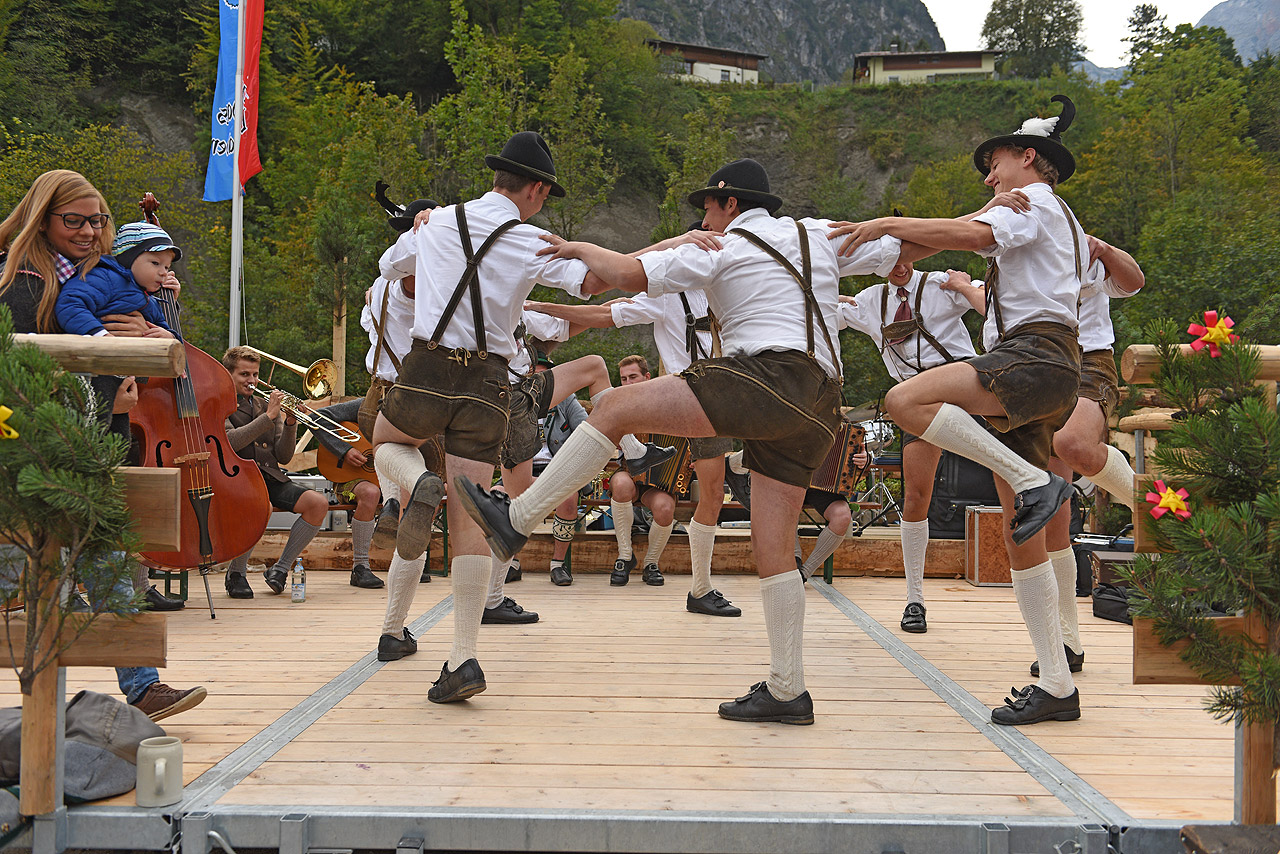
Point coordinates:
[(298, 582)]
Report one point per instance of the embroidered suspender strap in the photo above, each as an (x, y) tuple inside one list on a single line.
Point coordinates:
[(805, 280), (470, 281), (1075, 237)]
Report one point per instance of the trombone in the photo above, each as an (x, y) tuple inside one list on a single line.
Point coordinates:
[(318, 381)]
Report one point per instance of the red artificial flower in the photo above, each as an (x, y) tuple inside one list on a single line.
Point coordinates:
[(1213, 334), (1166, 501)]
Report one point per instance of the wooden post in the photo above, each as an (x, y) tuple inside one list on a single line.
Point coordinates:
[(145, 357), (1256, 789), (340, 349), (1140, 362), (39, 775)]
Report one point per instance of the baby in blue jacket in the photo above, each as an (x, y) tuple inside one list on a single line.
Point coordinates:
[(123, 282)]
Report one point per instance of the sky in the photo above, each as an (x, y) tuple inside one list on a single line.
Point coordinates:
[(1106, 22)]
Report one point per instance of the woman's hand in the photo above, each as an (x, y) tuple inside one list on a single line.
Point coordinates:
[(132, 325), (126, 396)]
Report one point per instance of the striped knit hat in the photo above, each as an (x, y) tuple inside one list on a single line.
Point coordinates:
[(134, 238)]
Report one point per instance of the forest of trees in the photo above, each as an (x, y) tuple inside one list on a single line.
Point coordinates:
[(1177, 164)]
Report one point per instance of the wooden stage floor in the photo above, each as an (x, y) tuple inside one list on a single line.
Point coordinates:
[(599, 730)]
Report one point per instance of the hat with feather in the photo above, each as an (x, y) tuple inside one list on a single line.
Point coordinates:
[(398, 217), (1044, 135)]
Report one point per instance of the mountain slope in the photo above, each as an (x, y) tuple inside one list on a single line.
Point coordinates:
[(805, 39), (1253, 24)]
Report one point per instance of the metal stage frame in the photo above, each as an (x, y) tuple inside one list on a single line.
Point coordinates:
[(199, 824)]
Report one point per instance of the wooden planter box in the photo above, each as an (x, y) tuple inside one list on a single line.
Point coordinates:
[(1154, 664)]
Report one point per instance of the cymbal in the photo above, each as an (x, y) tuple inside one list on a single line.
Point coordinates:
[(865, 412)]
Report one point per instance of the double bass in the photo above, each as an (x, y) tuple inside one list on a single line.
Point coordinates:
[(179, 423)]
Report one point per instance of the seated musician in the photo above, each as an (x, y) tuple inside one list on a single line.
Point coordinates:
[(623, 490), (264, 429), (366, 493), (915, 321)]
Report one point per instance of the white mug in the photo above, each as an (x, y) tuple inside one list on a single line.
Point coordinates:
[(159, 771)]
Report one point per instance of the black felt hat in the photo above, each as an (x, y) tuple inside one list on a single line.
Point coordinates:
[(527, 154), (1044, 135), (742, 179), (402, 222)]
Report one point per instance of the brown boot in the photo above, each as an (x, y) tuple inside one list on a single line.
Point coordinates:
[(160, 701)]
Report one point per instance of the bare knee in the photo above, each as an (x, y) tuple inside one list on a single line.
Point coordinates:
[(663, 507), (839, 518), (622, 489)]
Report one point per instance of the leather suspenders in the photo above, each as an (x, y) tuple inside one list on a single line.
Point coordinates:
[(470, 282), (993, 269), (804, 278), (379, 326), (919, 325), (692, 326)]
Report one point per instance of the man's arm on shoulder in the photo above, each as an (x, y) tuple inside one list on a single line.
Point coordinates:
[(1122, 271), (581, 316)]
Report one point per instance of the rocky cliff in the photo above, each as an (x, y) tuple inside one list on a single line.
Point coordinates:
[(1253, 24), (805, 39)]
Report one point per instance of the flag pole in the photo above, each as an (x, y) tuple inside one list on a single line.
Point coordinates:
[(237, 196)]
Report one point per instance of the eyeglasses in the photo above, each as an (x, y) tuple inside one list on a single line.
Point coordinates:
[(74, 221)]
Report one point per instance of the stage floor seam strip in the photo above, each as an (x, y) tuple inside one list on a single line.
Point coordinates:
[(225, 775), (1084, 800)]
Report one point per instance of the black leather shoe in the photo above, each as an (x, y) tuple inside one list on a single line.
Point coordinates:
[(713, 604), (362, 576), (1033, 508), (514, 573), (157, 601), (622, 571), (560, 576), (492, 512), (392, 648), (652, 576), (237, 586), (800, 569), (1075, 661), (913, 619), (739, 485), (759, 705), (1033, 704), (387, 524), (277, 579), (653, 456), (466, 681), (426, 576), (508, 612), (414, 530)]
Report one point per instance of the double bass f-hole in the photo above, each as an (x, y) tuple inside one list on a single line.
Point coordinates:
[(222, 462)]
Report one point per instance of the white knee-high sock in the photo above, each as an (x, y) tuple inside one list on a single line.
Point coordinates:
[(658, 536), (623, 515), (828, 542), (390, 489), (915, 541), (583, 456), (782, 600), (702, 543), (497, 582), (399, 464), (470, 577), (402, 583), (799, 553), (1064, 572), (953, 429), (1116, 477), (1037, 595)]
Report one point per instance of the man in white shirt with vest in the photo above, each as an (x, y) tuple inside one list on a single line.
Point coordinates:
[(1025, 386), (915, 321), (474, 265), (773, 289)]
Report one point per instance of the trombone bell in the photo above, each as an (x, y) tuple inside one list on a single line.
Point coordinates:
[(318, 378)]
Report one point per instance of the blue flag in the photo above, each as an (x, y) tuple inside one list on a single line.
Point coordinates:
[(218, 178)]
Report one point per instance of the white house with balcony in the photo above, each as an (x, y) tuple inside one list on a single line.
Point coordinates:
[(709, 64), (923, 66)]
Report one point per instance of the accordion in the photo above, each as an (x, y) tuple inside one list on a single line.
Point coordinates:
[(675, 475), (838, 473)]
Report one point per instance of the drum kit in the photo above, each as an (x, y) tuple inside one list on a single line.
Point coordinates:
[(878, 435)]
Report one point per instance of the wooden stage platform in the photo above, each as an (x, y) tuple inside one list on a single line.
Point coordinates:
[(599, 731)]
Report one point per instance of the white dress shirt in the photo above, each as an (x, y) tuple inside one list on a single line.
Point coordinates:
[(397, 327), (507, 274), (1036, 257), (940, 311), (536, 325), (666, 313), (758, 304), (1095, 330)]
